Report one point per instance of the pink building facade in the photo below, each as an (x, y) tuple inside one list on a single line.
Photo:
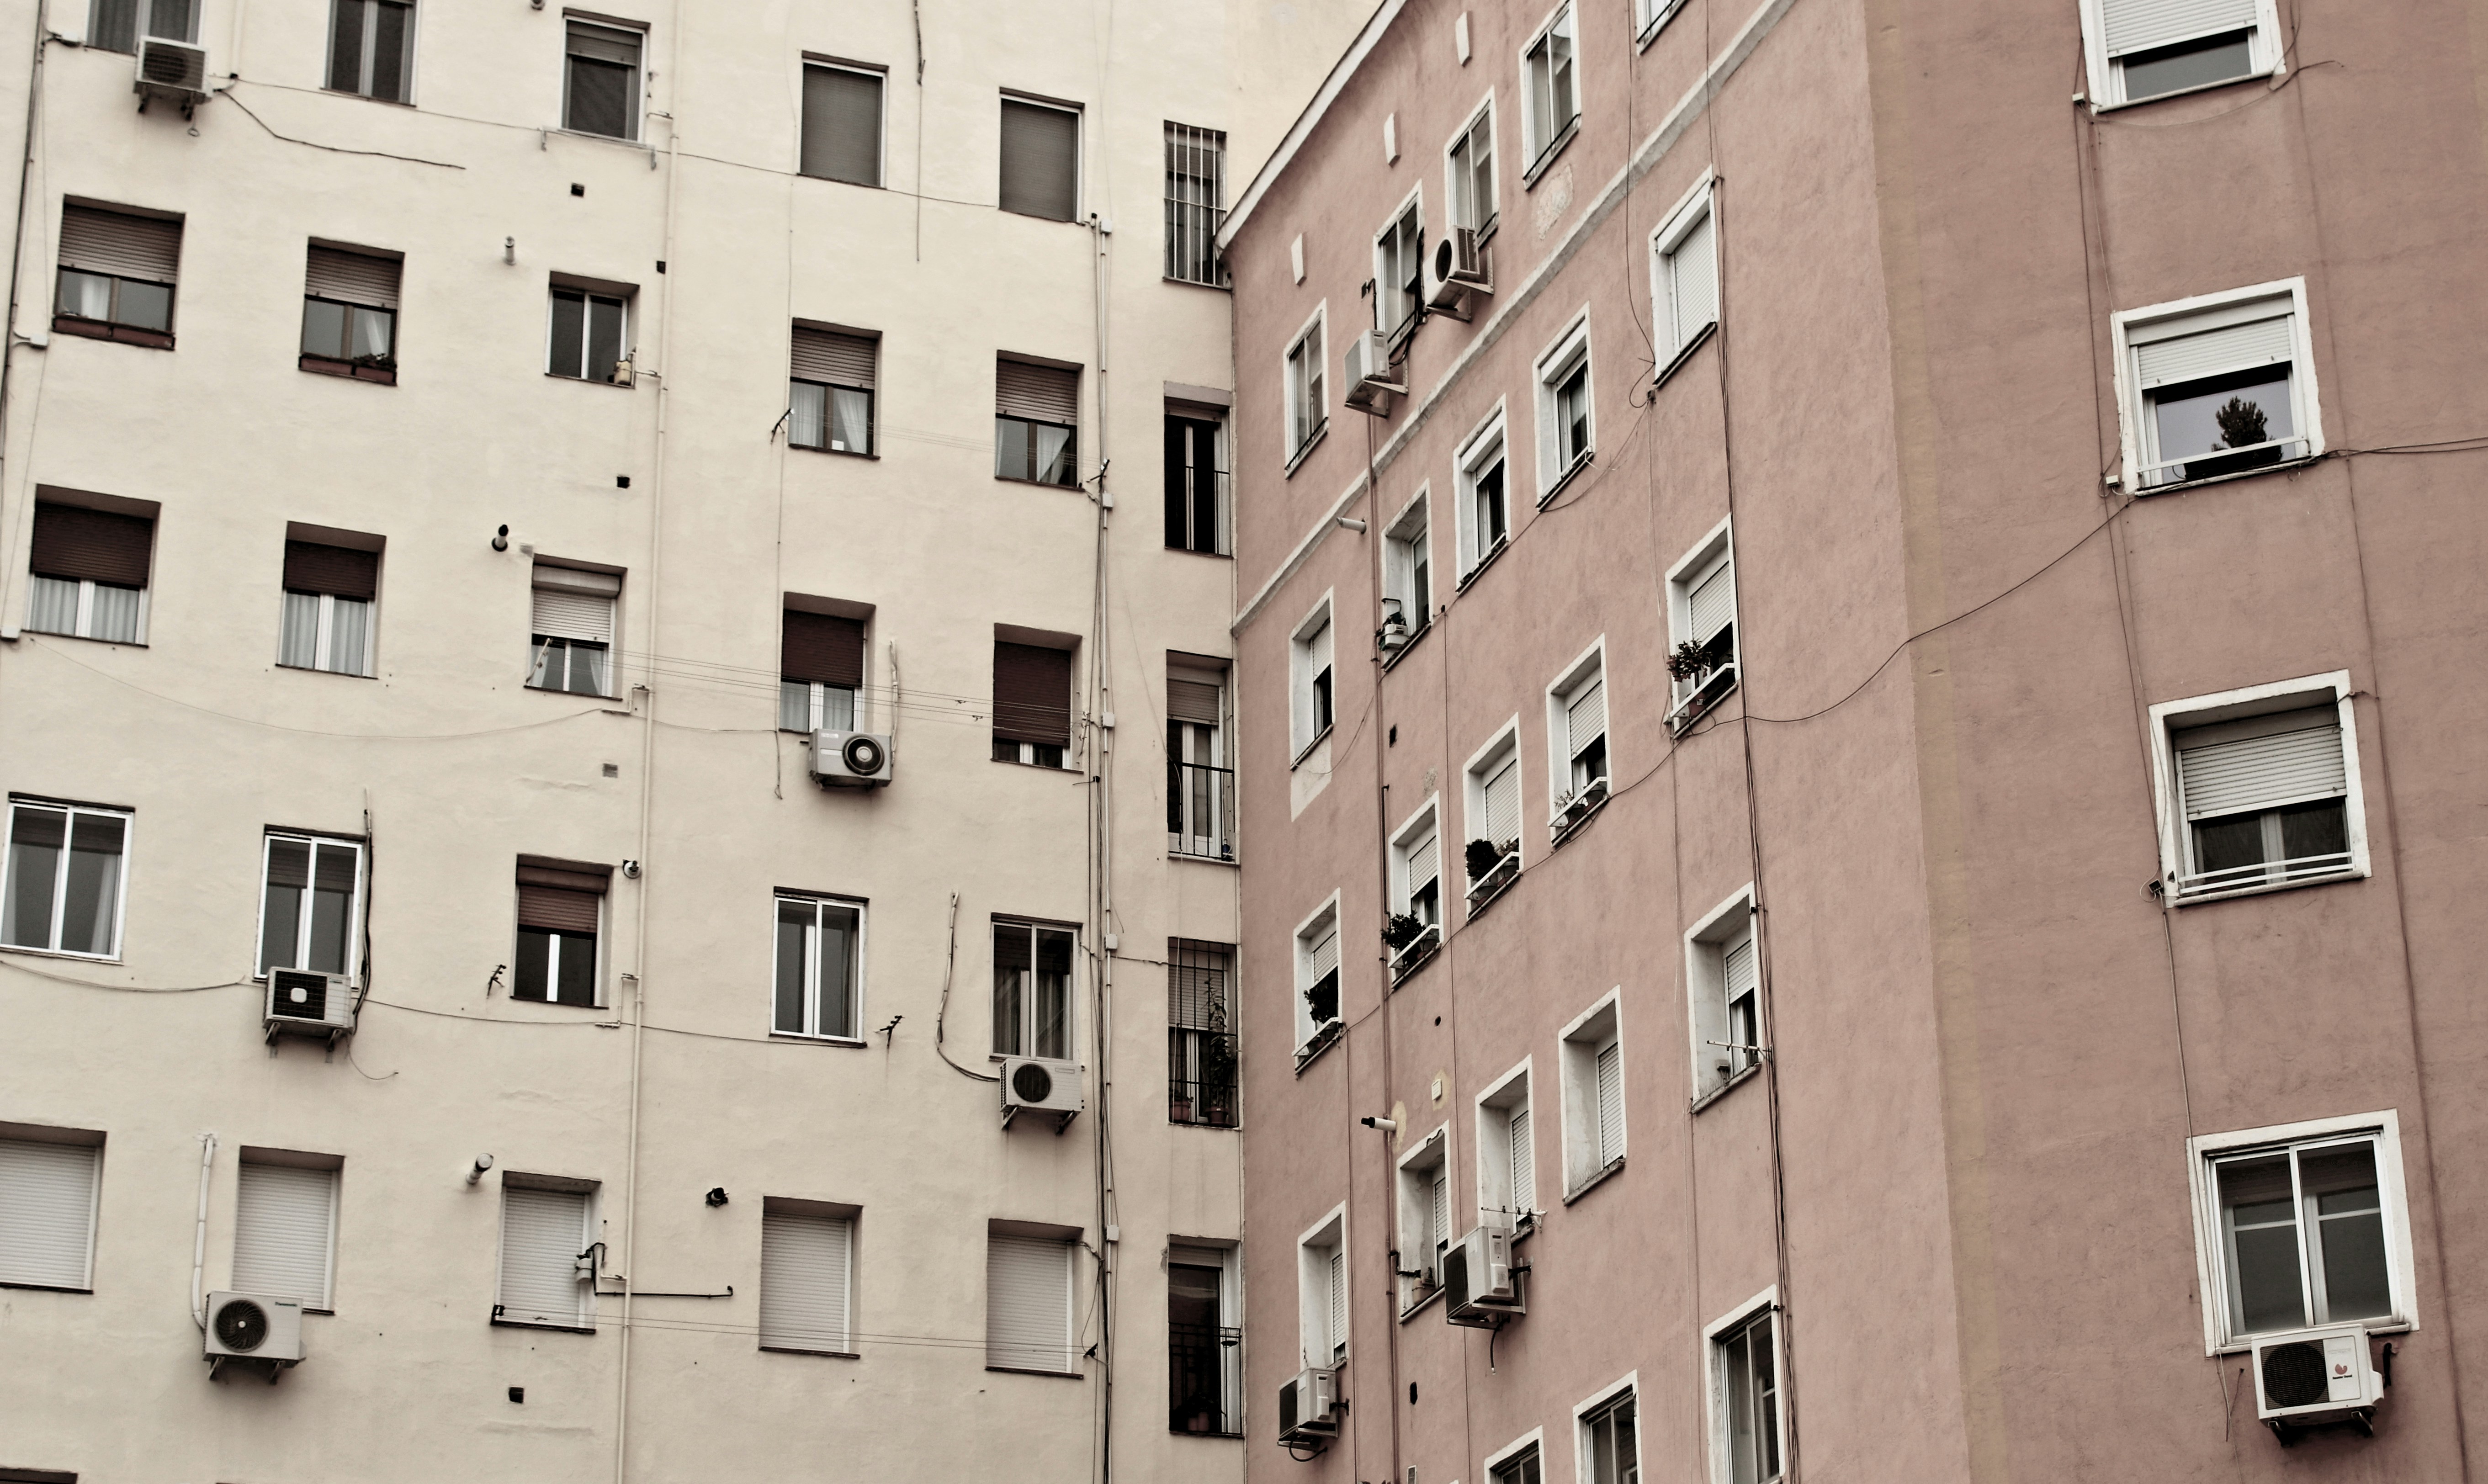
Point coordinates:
[(1893, 642)]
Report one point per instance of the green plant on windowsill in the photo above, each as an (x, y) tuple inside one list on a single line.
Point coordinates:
[(1403, 929)]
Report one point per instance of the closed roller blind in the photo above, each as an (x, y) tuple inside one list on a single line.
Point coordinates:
[(2209, 352), (1503, 804), (1694, 273), (1714, 602), (96, 546), (1027, 1304), (1611, 1103), (543, 1233), (842, 124), (803, 1267), (1040, 160), (1738, 967), (827, 356), (1192, 700), (337, 571), (47, 1213), (1524, 1163), (1032, 694), (110, 243), (574, 616), (1337, 1300), (1586, 714), (1425, 860), (282, 1220), (2136, 25), (1048, 394), (822, 648), (1326, 955), (357, 278), (2263, 773)]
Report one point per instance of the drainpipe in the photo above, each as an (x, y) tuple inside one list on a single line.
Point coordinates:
[(16, 251)]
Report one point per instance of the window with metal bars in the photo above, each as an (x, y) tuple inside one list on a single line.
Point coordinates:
[(1200, 1033), (1196, 199), (1201, 785), (1204, 1351), (1195, 484)]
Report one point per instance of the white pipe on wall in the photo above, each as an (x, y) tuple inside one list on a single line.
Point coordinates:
[(199, 1242)]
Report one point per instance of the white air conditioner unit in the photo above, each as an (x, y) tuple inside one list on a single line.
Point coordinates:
[(1309, 1409), (1479, 1288), (2304, 1377), (255, 1329), (1454, 270), (174, 70), (850, 759), (1370, 388), (302, 1002), (1034, 1085)]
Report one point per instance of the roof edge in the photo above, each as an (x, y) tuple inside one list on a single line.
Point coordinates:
[(1306, 121)]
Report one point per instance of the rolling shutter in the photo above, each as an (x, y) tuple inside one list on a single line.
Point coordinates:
[(1040, 160), (1503, 804), (2137, 25), (76, 544), (821, 647), (1693, 272), (1027, 1304), (803, 1266), (1611, 1103), (1031, 694), (1737, 966), (336, 572), (834, 357), (47, 1194), (2209, 352), (1196, 990), (1425, 860), (1586, 714), (1712, 604), (282, 1223), (2292, 758), (1337, 1300), (842, 124), (543, 1233), (1326, 955), (102, 242), (575, 604), (1524, 1163), (1439, 1213), (356, 278), (559, 899), (1045, 394), (1192, 700)]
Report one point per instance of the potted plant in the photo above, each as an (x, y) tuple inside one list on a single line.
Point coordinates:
[(1400, 930), (2243, 424), (1480, 856)]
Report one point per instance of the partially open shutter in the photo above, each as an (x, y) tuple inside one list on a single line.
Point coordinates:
[(1524, 1163), (76, 544), (1326, 955), (1694, 274), (803, 1267), (1611, 1103), (1046, 394), (821, 647), (1040, 160), (1027, 1304), (1714, 602), (335, 572), (574, 616), (47, 1213), (2214, 352), (282, 1218), (1439, 1213), (1587, 714), (356, 278), (1503, 804), (834, 357), (2241, 775), (2137, 25), (559, 898), (1425, 861), (102, 242), (543, 1233), (1738, 967), (1337, 1300), (1031, 694), (1192, 700)]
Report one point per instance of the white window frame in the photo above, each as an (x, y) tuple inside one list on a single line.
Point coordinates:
[(1588, 665), (1716, 549), (325, 633), (2266, 57), (2211, 1252), (1458, 182), (1589, 1033), (1490, 440), (82, 627), (1541, 151), (812, 956), (1309, 935), (1626, 1386), (1699, 202), (2176, 854), (1570, 352), (587, 326), (2138, 431), (1308, 412), (1414, 1175), (1714, 1375), (1497, 1200), (1426, 818), (1409, 542), (60, 880), (639, 123), (1313, 649), (1386, 245), (302, 929), (1476, 772), (1534, 1437), (1316, 1347), (1706, 945)]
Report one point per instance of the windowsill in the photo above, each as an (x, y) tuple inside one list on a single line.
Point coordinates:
[(1613, 1166), (1051, 768), (331, 366), (1405, 963), (1312, 441), (1482, 563), (843, 453), (1222, 556), (1413, 1310), (1490, 887), (619, 386), (1068, 221), (45, 1288), (835, 1043), (566, 132), (1546, 156), (83, 638), (313, 669), (393, 102), (2200, 87), (2266, 889), (839, 180), (2285, 467), (1195, 283), (499, 1323), (1683, 353), (1564, 480), (1702, 701), (97, 329), (1227, 859), (1307, 750), (580, 694), (1486, 234), (1323, 1039), (1013, 1370), (57, 953), (1392, 662), (1725, 1088), (1041, 484), (2238, 1345), (551, 1005), (818, 1355), (1565, 828)]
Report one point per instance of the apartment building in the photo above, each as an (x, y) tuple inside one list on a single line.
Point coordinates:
[(599, 617), (1865, 870)]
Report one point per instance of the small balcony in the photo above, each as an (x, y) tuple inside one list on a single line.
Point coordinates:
[(1204, 1380), (1200, 1078), (1201, 811)]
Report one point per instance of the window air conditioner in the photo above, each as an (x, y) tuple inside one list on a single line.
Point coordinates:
[(1035, 1085), (1309, 1409), (1456, 269), (850, 759), (303, 1003), (1370, 386), (174, 70), (1480, 1289), (255, 1329), (2304, 1377)]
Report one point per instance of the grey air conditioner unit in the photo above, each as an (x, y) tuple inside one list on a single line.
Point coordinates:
[(174, 70), (1370, 388), (1309, 1409), (255, 1329), (1034, 1085), (1479, 1288), (2306, 1377), (852, 760), (302, 1002), (1456, 269)]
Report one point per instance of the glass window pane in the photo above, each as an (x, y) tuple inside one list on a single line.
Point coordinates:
[(604, 337), (2350, 1231), (794, 706), (112, 614), (175, 21), (2260, 1213), (280, 923), (807, 414), (2225, 412), (1052, 1008), (600, 97), (794, 932), (586, 668), (86, 296), (532, 978), (1011, 947), (850, 421), (113, 25), (389, 53), (375, 334), (569, 332), (332, 900), (1054, 454), (349, 631), (837, 970), (2321, 829), (324, 328), (2187, 65), (577, 975), (1735, 1360), (51, 606), (346, 48), (92, 893), (837, 709), (144, 306), (1011, 448), (2227, 844), (35, 841)]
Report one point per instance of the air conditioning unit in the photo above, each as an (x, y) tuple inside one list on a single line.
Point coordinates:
[(255, 1329), (853, 760), (1038, 1085), (1456, 269), (1370, 388), (1480, 1289), (1309, 1409), (2304, 1377), (174, 70), (302, 1002)]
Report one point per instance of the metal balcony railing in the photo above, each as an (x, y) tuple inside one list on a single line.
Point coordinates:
[(1201, 811), (1200, 1078), (1204, 1372), (2263, 873)]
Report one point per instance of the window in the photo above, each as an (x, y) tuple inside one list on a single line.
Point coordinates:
[(1593, 1097), (49, 1185), (1027, 1304), (1577, 721), (1564, 431), (1425, 1217), (1507, 1161), (1485, 509), (2258, 789), (350, 311), (328, 617), (1196, 197), (600, 92), (1036, 422), (115, 25), (820, 968), (2301, 1224), (90, 570), (1033, 990), (573, 631), (1493, 814), (1205, 1350), (1723, 978), (66, 886), (561, 905), (371, 49), (2216, 385), (1031, 704), (1554, 101), (1472, 174), (1200, 1033), (1610, 1445), (1196, 483), (1040, 160), (1318, 980), (589, 339), (1399, 271), (1408, 568), (1321, 1291), (1310, 683), (830, 389), (1685, 277), (285, 1226), (843, 122), (1520, 1467), (1200, 786), (117, 275), (820, 671), (806, 1273), (1649, 15), (547, 1267), (1307, 414), (1747, 1440), (1416, 890), (310, 902), (2150, 49), (1702, 626)]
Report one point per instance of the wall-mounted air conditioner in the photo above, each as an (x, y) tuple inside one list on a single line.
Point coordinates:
[(253, 1328), (1479, 1288), (1456, 269), (302, 1002), (1034, 1085), (850, 759), (174, 70), (1309, 1409), (1368, 360), (2306, 1377)]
